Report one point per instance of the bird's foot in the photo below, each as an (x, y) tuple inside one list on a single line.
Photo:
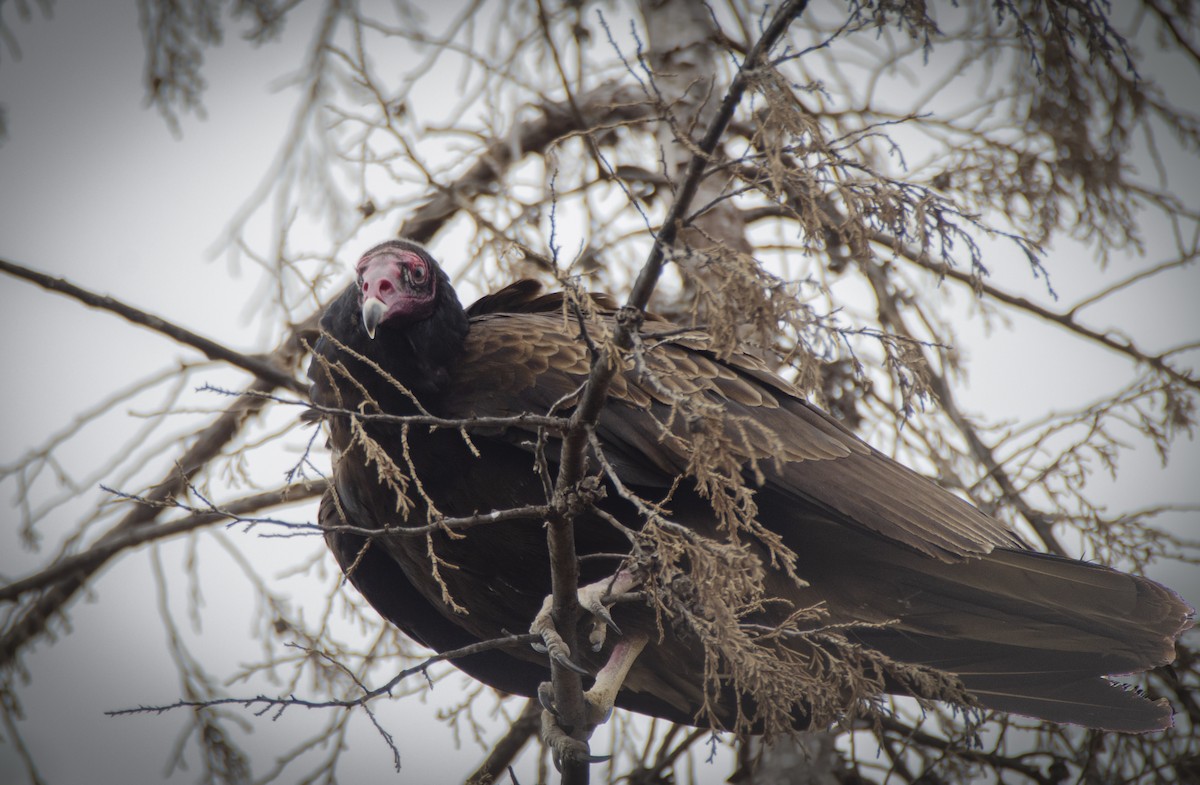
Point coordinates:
[(597, 704), (564, 748), (599, 700), (591, 599), (551, 642), (595, 712)]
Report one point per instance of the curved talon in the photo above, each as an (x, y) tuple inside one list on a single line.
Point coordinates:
[(590, 758), (596, 636), (545, 696), (552, 643), (562, 659), (603, 621), (564, 748), (597, 609)]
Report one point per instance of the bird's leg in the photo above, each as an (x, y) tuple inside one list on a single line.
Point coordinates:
[(603, 694), (598, 702), (591, 598)]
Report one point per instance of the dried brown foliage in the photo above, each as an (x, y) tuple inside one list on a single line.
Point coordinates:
[(895, 167)]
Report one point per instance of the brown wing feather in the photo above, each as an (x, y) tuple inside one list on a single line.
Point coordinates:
[(526, 362), (525, 296)]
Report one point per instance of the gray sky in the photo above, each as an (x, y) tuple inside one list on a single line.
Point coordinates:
[(95, 188)]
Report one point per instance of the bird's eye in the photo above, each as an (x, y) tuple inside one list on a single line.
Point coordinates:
[(419, 273)]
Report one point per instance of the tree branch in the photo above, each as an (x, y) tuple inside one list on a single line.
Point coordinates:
[(564, 563), (510, 641), (115, 542), (207, 445), (1066, 320), (261, 367), (522, 420), (648, 277), (510, 744), (607, 104)]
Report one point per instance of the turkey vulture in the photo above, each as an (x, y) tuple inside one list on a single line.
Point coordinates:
[(879, 557)]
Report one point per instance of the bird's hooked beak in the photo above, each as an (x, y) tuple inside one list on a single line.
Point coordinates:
[(373, 310)]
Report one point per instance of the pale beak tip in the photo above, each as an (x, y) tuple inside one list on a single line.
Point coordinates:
[(373, 310)]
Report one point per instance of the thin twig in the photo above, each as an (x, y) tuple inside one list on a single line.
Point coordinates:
[(523, 420), (207, 445), (266, 703), (1066, 320)]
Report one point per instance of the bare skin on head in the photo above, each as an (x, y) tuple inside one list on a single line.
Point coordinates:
[(397, 286)]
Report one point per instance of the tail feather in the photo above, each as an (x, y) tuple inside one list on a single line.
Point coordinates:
[(1047, 684), (1092, 702), (1037, 635), (1026, 633), (1083, 615)]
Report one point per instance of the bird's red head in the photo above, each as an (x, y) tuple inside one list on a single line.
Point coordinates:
[(397, 284)]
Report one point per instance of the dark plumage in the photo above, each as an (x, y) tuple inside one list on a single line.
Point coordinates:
[(929, 578)]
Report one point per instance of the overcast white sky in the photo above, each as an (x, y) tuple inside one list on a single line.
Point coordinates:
[(95, 188)]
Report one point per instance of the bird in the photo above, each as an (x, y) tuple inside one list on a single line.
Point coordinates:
[(437, 412)]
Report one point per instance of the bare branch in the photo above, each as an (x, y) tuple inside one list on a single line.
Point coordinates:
[(261, 367), (524, 420), (1067, 320), (608, 103), (208, 443), (110, 545), (639, 297), (265, 703), (509, 746)]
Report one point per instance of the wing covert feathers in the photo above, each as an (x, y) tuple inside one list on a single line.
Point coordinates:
[(527, 362)]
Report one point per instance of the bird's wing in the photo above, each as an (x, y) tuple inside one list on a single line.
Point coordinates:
[(533, 362)]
